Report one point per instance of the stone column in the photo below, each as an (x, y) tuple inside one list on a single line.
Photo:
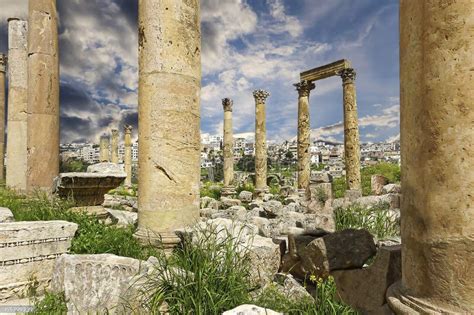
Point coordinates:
[(104, 149), (17, 104), (114, 146), (127, 159), (169, 118), (43, 95), (304, 134), (260, 142), (228, 188), (351, 131), (437, 145), (3, 69)]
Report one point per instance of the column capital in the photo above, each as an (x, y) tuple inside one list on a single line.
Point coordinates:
[(114, 132), (348, 75), (127, 129), (3, 63), (260, 95), (304, 87), (227, 103)]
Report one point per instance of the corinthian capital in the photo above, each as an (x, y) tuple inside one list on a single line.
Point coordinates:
[(227, 104), (114, 132), (127, 129), (304, 87), (3, 63), (348, 75), (260, 96)]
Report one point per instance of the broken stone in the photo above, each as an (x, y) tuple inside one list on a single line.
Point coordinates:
[(364, 289), (206, 201), (229, 202), (273, 208), (320, 192), (124, 218), (289, 287), (392, 189), (233, 213), (318, 177), (248, 309), (245, 196), (107, 168), (6, 215), (207, 212), (377, 182)]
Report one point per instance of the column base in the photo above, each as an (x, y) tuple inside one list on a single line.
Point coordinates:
[(163, 240), (403, 304), (228, 191), (260, 192)]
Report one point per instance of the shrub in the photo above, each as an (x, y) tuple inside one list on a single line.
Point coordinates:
[(377, 220), (210, 189), (51, 303), (245, 186)]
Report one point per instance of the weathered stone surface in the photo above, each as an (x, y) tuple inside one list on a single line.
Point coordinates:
[(263, 224), (169, 46), (229, 202), (268, 197), (29, 249), (233, 213), (228, 151), (287, 191), (318, 177), (127, 155), (6, 215), (107, 168), (43, 96), (95, 283), (124, 218), (260, 142), (128, 203), (320, 192), (17, 104), (392, 189), (293, 207), (96, 211), (248, 309), (207, 213), (245, 196), (352, 194), (377, 182), (114, 146), (205, 201), (272, 208), (393, 200), (340, 250), (289, 287), (87, 189), (365, 289)]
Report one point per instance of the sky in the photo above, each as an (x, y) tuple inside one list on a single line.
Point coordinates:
[(246, 45)]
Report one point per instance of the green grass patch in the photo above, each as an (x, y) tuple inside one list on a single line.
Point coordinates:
[(210, 189)]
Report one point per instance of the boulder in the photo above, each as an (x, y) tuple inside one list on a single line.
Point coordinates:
[(345, 249), (352, 194), (320, 192), (365, 289), (265, 259), (248, 309), (293, 207), (287, 285), (291, 199), (245, 196), (318, 177), (377, 182), (207, 212), (392, 189), (6, 215), (287, 191), (272, 208), (263, 224), (124, 218), (229, 202), (393, 200), (233, 213), (314, 221), (268, 197), (119, 202), (206, 201)]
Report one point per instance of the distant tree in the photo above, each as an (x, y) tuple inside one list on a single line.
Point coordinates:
[(73, 165)]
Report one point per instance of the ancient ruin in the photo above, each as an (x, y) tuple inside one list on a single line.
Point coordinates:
[(351, 128), (3, 68), (169, 126), (260, 142), (17, 104), (127, 159), (228, 189), (114, 146), (104, 144), (43, 95)]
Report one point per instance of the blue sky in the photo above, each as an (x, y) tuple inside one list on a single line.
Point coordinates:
[(246, 45)]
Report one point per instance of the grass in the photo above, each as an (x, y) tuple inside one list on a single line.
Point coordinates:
[(245, 186), (389, 170), (376, 220), (123, 191), (209, 274), (92, 236), (51, 303), (210, 189)]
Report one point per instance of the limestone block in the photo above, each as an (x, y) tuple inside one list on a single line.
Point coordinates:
[(107, 168), (205, 201), (377, 182), (352, 194), (233, 213), (320, 177), (287, 191), (340, 250), (364, 289), (263, 224), (207, 212), (87, 189), (229, 202), (28, 251), (95, 283), (268, 197), (289, 287), (6, 215), (245, 196), (293, 207), (320, 191), (248, 309), (314, 221), (124, 218), (273, 208), (393, 200), (265, 260), (392, 189)]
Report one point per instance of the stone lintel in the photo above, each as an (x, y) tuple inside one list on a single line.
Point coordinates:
[(326, 71)]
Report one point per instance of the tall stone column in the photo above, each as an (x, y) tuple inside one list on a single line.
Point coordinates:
[(17, 104), (127, 159), (304, 134), (43, 95), (169, 118), (260, 142), (437, 145), (228, 188), (3, 69), (351, 131), (114, 146), (104, 149)]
